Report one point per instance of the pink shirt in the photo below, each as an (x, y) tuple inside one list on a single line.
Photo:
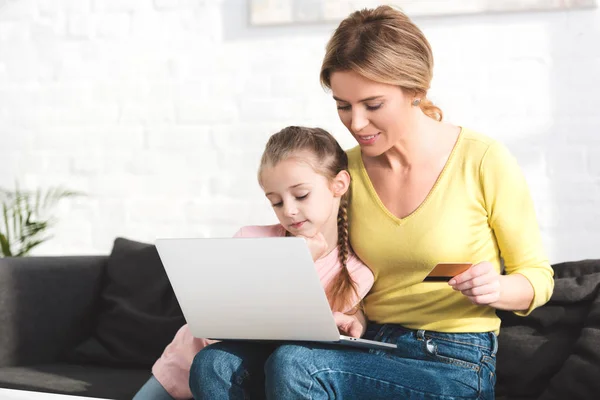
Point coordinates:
[(172, 369)]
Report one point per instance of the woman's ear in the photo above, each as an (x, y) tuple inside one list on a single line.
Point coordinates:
[(341, 183)]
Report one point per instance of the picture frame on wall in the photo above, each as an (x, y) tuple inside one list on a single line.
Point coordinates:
[(283, 12)]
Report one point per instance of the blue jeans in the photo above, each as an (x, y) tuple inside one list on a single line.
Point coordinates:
[(426, 365), (152, 390), (230, 370)]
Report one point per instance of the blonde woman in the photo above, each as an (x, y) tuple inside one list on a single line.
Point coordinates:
[(423, 192)]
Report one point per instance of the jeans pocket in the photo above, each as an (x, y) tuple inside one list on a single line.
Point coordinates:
[(458, 354), (489, 369), (487, 377)]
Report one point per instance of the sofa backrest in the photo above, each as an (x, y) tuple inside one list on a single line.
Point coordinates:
[(47, 306)]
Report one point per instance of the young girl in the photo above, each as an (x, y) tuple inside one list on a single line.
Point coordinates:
[(303, 172)]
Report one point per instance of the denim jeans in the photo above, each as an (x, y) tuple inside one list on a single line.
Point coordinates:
[(152, 390), (426, 365), (230, 370)]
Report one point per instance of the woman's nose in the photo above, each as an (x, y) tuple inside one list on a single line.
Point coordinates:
[(359, 121)]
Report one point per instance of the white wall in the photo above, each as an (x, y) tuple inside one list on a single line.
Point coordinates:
[(159, 110)]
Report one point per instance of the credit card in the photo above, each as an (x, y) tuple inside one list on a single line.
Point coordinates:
[(443, 272)]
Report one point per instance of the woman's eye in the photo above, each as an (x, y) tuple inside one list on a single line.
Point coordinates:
[(302, 197), (373, 108), (369, 107), (277, 204)]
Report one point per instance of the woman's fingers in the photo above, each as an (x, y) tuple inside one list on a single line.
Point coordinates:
[(480, 283)]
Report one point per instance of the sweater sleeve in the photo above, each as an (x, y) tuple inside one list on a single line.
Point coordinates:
[(512, 217)]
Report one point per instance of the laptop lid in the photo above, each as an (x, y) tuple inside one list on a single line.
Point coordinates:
[(248, 288)]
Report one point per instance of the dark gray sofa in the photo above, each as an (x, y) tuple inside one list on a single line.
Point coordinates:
[(49, 305)]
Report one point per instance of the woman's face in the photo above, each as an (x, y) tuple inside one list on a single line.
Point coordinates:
[(376, 114)]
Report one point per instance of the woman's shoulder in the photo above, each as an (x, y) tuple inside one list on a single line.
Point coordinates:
[(354, 151), (474, 138), (256, 231), (356, 169), (478, 146), (353, 157)]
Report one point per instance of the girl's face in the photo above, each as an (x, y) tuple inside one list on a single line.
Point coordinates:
[(304, 201), (378, 115)]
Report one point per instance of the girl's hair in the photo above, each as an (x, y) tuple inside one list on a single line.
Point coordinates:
[(383, 45), (328, 160)]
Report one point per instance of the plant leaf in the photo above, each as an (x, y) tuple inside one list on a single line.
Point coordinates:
[(54, 195), (29, 246), (32, 230), (24, 211), (5, 246), (6, 223), (18, 216), (36, 207)]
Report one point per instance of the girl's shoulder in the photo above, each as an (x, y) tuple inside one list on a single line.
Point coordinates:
[(355, 263), (360, 272), (256, 231)]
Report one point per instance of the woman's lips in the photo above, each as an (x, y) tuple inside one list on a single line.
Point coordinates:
[(367, 139)]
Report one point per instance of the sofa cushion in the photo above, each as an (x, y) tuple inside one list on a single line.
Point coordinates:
[(553, 353), (39, 320), (77, 380), (139, 314)]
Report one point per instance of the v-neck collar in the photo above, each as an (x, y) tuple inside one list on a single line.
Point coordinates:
[(438, 181)]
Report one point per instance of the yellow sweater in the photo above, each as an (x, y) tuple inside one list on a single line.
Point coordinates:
[(479, 209)]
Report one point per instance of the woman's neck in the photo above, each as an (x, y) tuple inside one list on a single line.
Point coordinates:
[(418, 144)]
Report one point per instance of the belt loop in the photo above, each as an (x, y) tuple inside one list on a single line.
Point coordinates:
[(494, 340), (380, 335), (421, 334)]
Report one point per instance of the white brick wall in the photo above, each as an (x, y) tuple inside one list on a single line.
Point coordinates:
[(158, 110)]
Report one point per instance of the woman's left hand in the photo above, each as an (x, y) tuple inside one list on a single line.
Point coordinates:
[(480, 283)]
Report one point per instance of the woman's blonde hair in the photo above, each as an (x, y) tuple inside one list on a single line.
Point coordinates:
[(329, 159), (383, 45)]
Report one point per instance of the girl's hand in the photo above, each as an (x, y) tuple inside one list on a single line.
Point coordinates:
[(317, 245), (480, 283), (350, 325)]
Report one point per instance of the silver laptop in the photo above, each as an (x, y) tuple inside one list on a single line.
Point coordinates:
[(251, 289)]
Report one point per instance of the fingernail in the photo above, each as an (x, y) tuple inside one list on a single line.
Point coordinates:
[(452, 282)]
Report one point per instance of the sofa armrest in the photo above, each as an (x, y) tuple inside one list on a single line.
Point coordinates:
[(47, 306)]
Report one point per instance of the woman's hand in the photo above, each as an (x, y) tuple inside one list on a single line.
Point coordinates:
[(317, 245), (480, 283), (351, 325)]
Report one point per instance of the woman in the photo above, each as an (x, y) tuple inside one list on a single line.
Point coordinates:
[(423, 192)]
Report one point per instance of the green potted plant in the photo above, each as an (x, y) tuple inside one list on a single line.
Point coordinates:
[(25, 218)]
